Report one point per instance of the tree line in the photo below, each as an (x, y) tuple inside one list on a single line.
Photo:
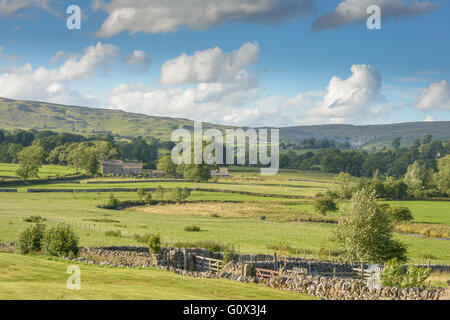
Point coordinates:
[(392, 161)]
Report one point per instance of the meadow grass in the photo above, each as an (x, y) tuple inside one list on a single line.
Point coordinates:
[(247, 234), (8, 170), (35, 277)]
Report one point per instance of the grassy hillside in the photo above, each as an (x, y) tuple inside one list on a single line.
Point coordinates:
[(34, 277), (40, 115)]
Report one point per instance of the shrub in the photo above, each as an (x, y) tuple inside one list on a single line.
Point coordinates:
[(112, 233), (60, 240), (324, 205), (154, 244), (228, 254), (401, 214), (112, 204), (141, 193), (30, 239), (192, 229), (148, 198), (179, 194), (396, 275), (34, 219), (159, 193)]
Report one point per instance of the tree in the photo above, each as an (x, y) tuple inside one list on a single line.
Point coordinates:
[(396, 143), (13, 152), (141, 193), (365, 231), (442, 177), (324, 205), (30, 160), (344, 185), (166, 164), (414, 177)]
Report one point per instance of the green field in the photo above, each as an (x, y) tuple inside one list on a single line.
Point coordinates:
[(237, 226), (34, 277), (225, 218), (8, 170)]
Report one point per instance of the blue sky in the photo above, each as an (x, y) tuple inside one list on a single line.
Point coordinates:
[(258, 64)]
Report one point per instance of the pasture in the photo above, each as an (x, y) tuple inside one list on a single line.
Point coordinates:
[(8, 170), (35, 277), (224, 218)]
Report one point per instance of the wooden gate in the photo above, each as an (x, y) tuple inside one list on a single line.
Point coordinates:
[(266, 273), (208, 264)]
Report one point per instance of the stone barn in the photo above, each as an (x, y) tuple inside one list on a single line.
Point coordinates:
[(112, 167), (132, 168), (119, 168)]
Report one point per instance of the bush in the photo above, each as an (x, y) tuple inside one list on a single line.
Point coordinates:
[(401, 214), (59, 241), (180, 194), (228, 254), (112, 233), (192, 229), (30, 239), (112, 204), (34, 219), (148, 198), (396, 275), (159, 193), (154, 244), (141, 193), (324, 205)]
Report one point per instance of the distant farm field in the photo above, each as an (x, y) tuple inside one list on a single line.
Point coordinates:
[(8, 170)]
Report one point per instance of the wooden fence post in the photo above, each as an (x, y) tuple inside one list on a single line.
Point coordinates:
[(275, 261)]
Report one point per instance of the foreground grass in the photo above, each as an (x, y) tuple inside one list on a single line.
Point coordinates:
[(33, 277)]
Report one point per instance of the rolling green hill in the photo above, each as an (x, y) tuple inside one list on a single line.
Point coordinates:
[(40, 115)]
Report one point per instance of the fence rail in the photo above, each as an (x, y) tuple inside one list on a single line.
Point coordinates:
[(266, 273), (208, 264)]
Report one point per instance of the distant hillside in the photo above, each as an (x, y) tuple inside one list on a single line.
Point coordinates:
[(40, 116), (48, 116), (370, 136)]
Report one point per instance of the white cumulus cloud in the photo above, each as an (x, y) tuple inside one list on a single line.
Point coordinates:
[(355, 11), (138, 61), (350, 98), (436, 96), (48, 84), (212, 65), (162, 16)]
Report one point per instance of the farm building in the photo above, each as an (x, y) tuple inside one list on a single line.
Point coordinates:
[(118, 168)]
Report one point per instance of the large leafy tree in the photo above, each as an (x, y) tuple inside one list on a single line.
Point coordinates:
[(30, 160), (365, 231), (166, 164), (443, 176)]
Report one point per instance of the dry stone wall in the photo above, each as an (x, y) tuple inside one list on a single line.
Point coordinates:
[(183, 261)]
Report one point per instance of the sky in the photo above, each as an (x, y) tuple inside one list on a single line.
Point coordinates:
[(235, 62)]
